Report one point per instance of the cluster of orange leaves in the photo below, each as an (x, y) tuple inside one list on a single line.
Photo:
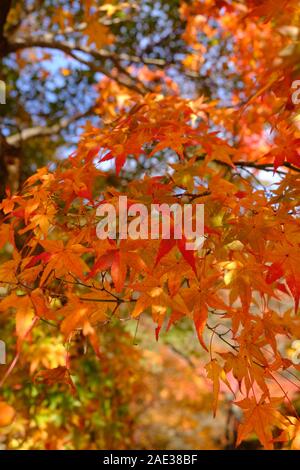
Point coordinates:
[(245, 279)]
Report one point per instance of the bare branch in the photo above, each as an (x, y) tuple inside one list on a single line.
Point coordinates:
[(42, 131), (72, 50), (48, 41), (255, 165)]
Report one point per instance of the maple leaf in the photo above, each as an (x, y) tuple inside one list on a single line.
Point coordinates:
[(54, 376), (40, 305), (154, 296), (61, 259), (266, 8), (98, 33), (8, 271), (283, 154), (24, 311), (118, 260), (200, 319), (213, 372), (260, 417), (286, 264), (79, 313), (217, 373), (166, 246)]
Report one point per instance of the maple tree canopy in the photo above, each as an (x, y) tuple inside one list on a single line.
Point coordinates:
[(203, 115)]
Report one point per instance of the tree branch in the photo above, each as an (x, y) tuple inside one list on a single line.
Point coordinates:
[(48, 42), (4, 11), (5, 7), (265, 166), (255, 165), (42, 131)]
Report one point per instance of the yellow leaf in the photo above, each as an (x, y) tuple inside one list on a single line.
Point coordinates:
[(65, 72), (214, 371)]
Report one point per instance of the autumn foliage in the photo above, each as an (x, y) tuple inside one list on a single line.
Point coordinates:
[(231, 142)]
